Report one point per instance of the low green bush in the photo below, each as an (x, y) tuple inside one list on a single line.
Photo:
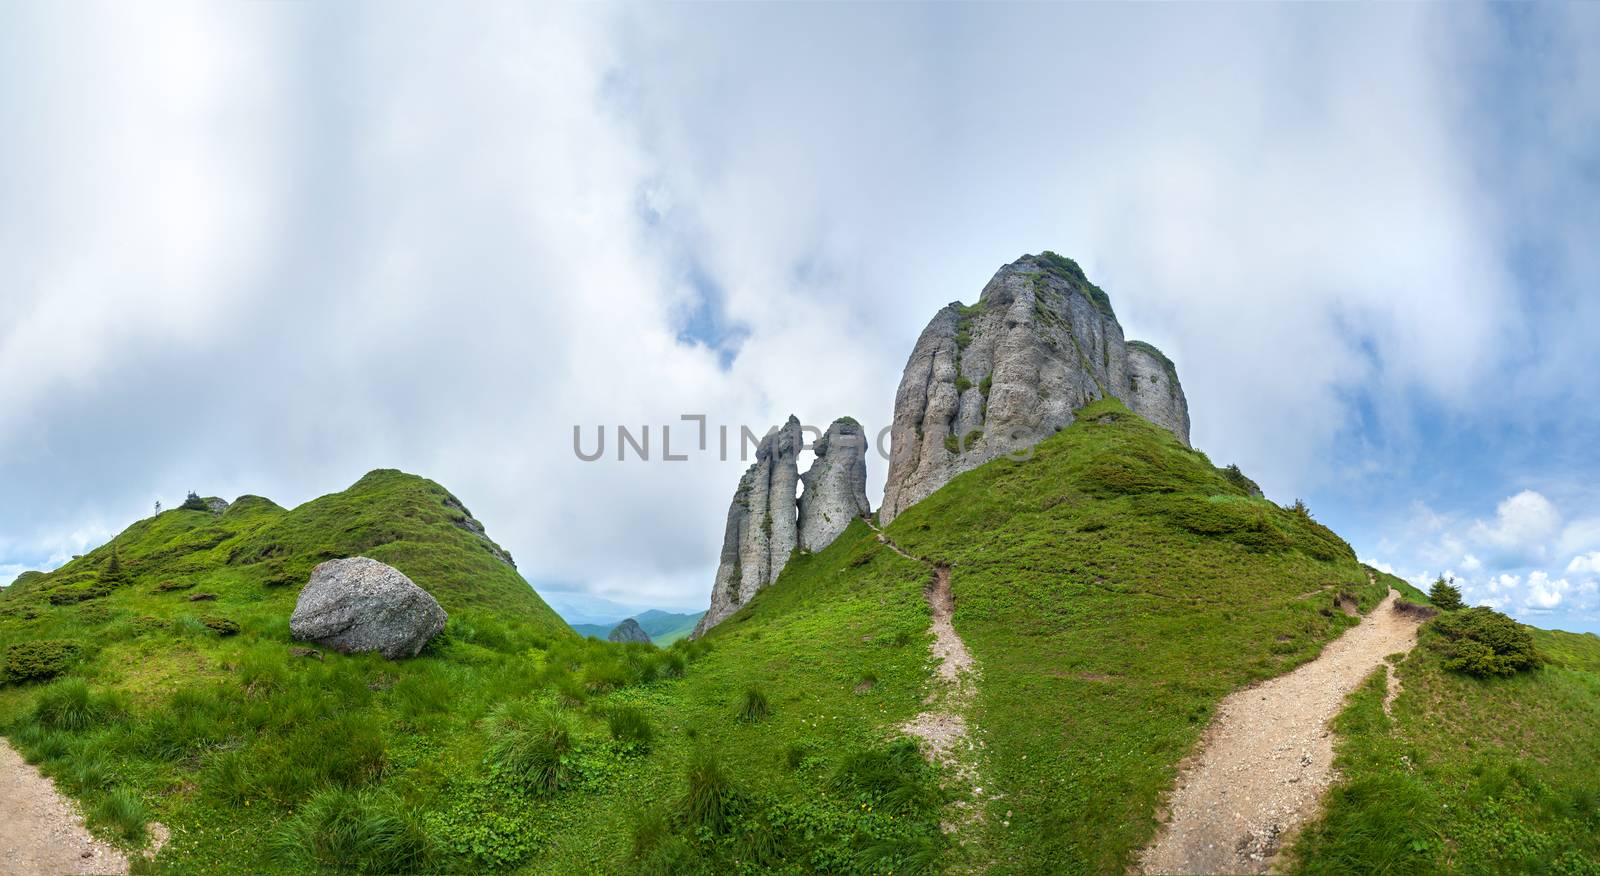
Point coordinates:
[(220, 625), (39, 660), (1483, 642)]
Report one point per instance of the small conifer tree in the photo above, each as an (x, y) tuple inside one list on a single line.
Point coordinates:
[(1445, 596)]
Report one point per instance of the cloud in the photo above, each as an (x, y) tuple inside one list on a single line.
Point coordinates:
[(1585, 563), (1523, 527), (264, 249)]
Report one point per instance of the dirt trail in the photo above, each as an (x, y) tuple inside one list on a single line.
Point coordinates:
[(42, 831), (1267, 758), (942, 726)]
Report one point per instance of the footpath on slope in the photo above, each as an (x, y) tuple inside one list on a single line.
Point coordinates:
[(41, 831), (942, 726), (1267, 757)]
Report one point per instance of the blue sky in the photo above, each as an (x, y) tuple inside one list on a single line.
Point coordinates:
[(264, 248)]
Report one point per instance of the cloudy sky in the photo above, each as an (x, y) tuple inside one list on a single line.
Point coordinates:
[(264, 248)]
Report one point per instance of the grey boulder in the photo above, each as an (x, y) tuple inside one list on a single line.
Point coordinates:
[(359, 604)]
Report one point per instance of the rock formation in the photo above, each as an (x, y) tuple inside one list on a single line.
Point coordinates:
[(766, 523), (835, 485), (628, 631), (1008, 372), (358, 604)]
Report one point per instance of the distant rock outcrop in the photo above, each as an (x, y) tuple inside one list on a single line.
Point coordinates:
[(765, 521), (835, 485), (359, 604), (628, 631), (1008, 372)]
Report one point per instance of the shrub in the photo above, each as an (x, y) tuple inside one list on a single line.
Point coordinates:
[(708, 801), (630, 726), (354, 831), (194, 503), (1484, 642), (70, 705), (113, 574), (170, 586), (38, 660), (754, 706), (1233, 475), (73, 595), (1445, 596), (532, 746), (220, 625), (124, 812)]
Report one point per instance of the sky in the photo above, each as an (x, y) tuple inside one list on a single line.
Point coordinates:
[(265, 248)]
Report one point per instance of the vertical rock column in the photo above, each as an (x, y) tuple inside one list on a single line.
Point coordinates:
[(835, 485), (762, 530)]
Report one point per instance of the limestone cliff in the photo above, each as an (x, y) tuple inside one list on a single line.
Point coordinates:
[(835, 485), (761, 531), (1006, 373), (765, 521)]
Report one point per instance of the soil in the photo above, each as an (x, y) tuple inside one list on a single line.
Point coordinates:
[(44, 832), (1267, 758)]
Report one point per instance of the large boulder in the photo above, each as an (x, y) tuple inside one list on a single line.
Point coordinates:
[(359, 604), (628, 631)]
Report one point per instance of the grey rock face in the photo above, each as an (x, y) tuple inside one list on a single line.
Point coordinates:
[(835, 485), (762, 529), (359, 604), (1153, 390), (628, 631), (1002, 375)]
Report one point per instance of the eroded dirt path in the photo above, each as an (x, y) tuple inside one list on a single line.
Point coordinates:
[(942, 725), (1267, 758), (41, 831)]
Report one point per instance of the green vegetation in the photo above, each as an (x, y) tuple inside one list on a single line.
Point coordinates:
[(1445, 596), (1066, 269), (1468, 774), (1113, 589), (193, 502), (1482, 642), (509, 744)]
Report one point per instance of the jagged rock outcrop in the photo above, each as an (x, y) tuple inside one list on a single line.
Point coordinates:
[(762, 529), (359, 604), (628, 631), (835, 485), (766, 522), (1006, 373)]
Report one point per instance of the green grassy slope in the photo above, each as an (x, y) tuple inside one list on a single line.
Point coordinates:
[(1468, 775), (1113, 589)]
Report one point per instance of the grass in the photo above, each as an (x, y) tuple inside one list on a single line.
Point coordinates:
[(1468, 775), (1120, 585), (1113, 588)]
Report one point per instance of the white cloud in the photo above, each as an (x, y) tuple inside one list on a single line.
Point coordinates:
[(1524, 525), (263, 249), (1585, 563)]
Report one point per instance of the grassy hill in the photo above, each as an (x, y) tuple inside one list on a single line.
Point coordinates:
[(1113, 588)]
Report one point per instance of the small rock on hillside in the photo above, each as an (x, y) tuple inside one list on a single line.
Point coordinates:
[(359, 604), (629, 631)]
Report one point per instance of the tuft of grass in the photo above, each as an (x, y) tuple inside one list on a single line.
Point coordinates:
[(124, 813), (630, 726), (532, 745), (70, 705), (709, 799), (354, 832), (753, 707)]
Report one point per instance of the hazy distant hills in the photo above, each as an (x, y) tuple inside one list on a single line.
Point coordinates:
[(664, 627)]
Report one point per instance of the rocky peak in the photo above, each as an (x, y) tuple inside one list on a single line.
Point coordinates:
[(1004, 374), (628, 631)]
